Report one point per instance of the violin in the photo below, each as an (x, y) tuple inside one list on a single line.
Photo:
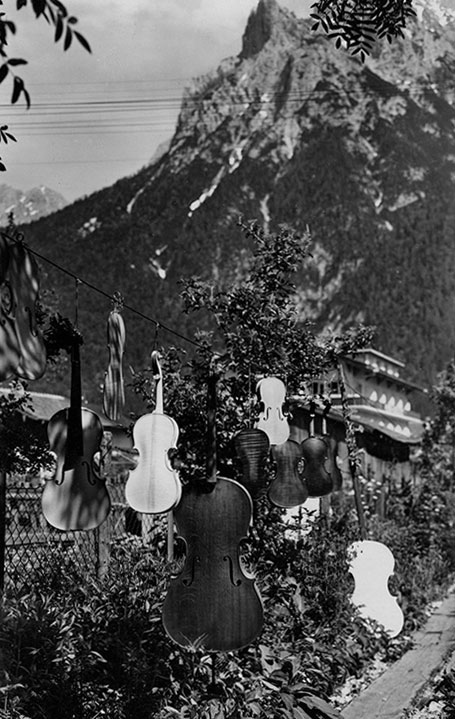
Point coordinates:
[(154, 486), (288, 488), (75, 497), (213, 603), (332, 445), (371, 564), (272, 392), (23, 279), (315, 452), (113, 389), (9, 343), (252, 448)]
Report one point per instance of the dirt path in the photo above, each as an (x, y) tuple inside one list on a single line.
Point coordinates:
[(393, 691)]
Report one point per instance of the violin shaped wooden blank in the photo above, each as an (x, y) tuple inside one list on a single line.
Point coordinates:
[(371, 564), (316, 453), (288, 488), (213, 603), (331, 464), (272, 393), (252, 447), (154, 486), (75, 497), (113, 390)]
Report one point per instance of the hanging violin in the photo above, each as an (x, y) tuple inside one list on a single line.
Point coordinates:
[(213, 603), (316, 455), (23, 280), (76, 496), (272, 393), (371, 563), (332, 446), (288, 488), (153, 486), (113, 389), (9, 343)]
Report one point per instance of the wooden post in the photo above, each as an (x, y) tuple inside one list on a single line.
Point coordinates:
[(2, 528)]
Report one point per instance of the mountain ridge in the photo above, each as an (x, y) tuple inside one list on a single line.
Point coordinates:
[(290, 131)]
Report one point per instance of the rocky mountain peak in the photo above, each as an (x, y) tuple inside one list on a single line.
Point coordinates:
[(263, 23)]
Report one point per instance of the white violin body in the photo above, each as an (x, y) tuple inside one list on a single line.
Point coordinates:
[(371, 564), (272, 393)]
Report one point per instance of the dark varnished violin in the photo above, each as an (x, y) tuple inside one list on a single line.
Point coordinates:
[(113, 389), (332, 446), (272, 392), (23, 279), (213, 603), (153, 486), (288, 488), (315, 452), (252, 448), (76, 496)]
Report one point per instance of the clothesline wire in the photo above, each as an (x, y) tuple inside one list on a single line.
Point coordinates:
[(93, 287)]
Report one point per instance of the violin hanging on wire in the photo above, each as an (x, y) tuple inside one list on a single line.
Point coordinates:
[(154, 486), (213, 603), (75, 498), (113, 388), (316, 455), (288, 488), (271, 392)]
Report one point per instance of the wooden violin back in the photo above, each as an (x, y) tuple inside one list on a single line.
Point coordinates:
[(371, 564), (272, 393), (288, 488), (213, 603), (252, 448), (153, 486)]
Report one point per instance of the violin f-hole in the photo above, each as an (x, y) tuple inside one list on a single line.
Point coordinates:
[(235, 582)]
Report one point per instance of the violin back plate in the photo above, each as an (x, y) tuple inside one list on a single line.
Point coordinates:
[(252, 447), (75, 498), (371, 564), (213, 603), (154, 486), (288, 488)]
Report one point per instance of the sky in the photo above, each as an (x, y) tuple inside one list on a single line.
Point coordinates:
[(98, 117)]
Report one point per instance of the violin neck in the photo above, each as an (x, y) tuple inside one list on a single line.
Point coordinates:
[(159, 394), (211, 430)]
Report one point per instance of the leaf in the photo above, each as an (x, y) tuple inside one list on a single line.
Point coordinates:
[(18, 86), (14, 61), (2, 166), (83, 41), (327, 710), (3, 71), (68, 38), (21, 3), (58, 28)]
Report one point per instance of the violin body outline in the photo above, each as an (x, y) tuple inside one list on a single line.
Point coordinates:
[(75, 497), (371, 563), (213, 602), (252, 448), (153, 486), (272, 393), (288, 488), (315, 452)]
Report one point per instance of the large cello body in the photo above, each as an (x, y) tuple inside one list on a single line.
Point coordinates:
[(213, 603), (288, 488), (75, 498), (154, 486)]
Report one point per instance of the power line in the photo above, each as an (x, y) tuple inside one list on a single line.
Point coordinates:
[(90, 285)]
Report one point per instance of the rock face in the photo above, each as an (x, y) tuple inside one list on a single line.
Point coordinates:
[(29, 205), (290, 131)]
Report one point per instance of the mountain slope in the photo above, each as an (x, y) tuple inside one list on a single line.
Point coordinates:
[(29, 205), (290, 131)]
